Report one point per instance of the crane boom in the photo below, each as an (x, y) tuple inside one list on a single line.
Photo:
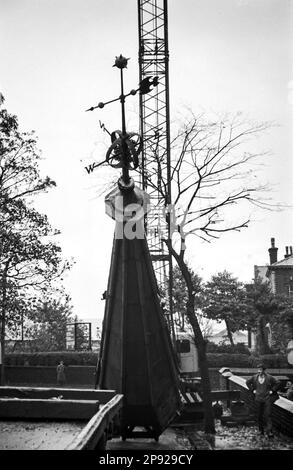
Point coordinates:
[(155, 130)]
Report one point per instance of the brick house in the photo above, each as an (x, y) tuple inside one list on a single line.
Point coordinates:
[(279, 274), (222, 338)]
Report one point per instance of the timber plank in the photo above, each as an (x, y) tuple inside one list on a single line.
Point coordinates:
[(27, 408), (103, 396), (93, 432)]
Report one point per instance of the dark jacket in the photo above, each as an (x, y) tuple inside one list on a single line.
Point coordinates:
[(289, 394), (262, 391), (60, 373)]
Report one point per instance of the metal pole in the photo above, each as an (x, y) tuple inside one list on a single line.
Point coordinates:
[(1, 363), (168, 149), (90, 336), (144, 180), (122, 101), (125, 172), (22, 327)]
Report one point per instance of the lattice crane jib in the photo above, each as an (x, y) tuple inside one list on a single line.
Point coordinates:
[(155, 129)]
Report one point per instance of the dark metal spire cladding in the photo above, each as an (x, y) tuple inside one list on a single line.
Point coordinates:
[(136, 356)]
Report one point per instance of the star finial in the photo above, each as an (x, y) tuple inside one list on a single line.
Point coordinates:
[(121, 62)]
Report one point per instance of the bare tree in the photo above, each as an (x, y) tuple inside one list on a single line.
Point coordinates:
[(213, 171), (214, 184)]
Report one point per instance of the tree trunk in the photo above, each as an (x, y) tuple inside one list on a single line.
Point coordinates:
[(229, 332), (249, 337), (209, 422), (262, 346), (2, 333), (290, 327)]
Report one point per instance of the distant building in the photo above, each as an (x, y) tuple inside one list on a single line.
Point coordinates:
[(279, 274), (222, 338)]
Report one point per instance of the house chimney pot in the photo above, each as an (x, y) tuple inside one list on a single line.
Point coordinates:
[(273, 252), (287, 252), (291, 252)]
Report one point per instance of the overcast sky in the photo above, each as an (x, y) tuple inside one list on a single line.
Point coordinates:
[(225, 56)]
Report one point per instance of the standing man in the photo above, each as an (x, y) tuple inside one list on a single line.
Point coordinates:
[(263, 385), (290, 351), (289, 390), (61, 374)]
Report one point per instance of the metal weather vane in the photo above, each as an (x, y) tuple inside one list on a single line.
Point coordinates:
[(126, 146)]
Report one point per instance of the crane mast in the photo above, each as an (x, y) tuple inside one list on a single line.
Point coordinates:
[(155, 130)]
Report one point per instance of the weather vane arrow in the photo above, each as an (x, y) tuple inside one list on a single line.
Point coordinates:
[(126, 146)]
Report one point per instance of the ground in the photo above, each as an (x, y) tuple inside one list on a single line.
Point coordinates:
[(56, 435), (171, 438), (35, 435), (238, 437)]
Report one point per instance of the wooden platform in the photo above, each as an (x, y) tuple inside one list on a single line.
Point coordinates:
[(30, 408), (84, 419), (103, 396)]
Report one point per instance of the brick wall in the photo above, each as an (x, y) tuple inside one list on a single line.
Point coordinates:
[(282, 280), (75, 375), (30, 375), (215, 379)]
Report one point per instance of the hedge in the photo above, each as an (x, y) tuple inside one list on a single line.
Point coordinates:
[(274, 361), (88, 358), (239, 348), (70, 358), (229, 360)]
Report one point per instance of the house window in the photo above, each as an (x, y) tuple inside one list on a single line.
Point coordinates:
[(290, 286)]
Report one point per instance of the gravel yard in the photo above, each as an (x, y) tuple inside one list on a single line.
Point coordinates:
[(56, 435), (238, 437), (33, 435)]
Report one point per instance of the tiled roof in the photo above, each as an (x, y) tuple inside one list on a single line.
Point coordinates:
[(224, 333), (288, 262)]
